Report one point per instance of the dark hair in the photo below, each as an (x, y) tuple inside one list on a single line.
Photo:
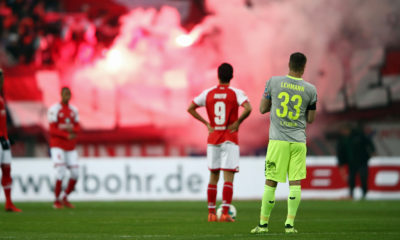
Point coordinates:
[(297, 62), (225, 72), (65, 88)]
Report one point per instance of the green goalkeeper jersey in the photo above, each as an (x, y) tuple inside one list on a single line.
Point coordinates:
[(291, 97)]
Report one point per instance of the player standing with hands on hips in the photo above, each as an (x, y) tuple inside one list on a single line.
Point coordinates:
[(5, 152), (292, 103), (222, 104), (64, 126)]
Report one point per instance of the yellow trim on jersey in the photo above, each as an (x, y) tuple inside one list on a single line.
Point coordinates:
[(295, 78)]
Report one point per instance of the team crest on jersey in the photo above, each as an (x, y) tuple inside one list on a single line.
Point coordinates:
[(61, 115), (266, 94)]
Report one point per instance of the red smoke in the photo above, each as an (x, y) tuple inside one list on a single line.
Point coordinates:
[(154, 68)]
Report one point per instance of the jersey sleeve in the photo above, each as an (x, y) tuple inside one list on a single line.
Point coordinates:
[(241, 97), (3, 119), (77, 127), (76, 114), (267, 90), (313, 97), (52, 114), (200, 100)]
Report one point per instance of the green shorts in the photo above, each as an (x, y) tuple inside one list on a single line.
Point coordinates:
[(285, 158)]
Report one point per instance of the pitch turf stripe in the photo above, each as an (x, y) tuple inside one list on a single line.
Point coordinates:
[(146, 236), (248, 234)]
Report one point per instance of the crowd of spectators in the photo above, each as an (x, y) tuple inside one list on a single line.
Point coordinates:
[(41, 32)]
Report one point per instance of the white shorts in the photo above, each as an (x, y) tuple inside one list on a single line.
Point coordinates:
[(224, 156), (62, 157), (5, 156)]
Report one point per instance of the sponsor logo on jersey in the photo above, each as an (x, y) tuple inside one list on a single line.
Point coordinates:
[(220, 96), (288, 124), (65, 125)]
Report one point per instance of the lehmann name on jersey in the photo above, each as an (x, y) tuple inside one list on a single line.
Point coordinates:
[(292, 86)]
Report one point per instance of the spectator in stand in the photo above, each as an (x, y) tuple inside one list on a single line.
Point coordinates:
[(5, 11), (26, 40), (11, 36), (28, 30), (107, 28), (47, 50), (20, 23)]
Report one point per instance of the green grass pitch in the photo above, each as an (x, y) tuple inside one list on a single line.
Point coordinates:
[(364, 220)]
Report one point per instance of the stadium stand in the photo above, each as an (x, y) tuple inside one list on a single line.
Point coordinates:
[(45, 40)]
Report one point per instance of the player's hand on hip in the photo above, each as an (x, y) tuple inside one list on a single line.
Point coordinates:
[(4, 143), (234, 127), (210, 128)]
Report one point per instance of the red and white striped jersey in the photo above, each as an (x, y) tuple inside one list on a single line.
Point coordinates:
[(222, 103), (62, 117), (3, 119)]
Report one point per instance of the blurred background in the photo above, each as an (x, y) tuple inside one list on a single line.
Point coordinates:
[(135, 65)]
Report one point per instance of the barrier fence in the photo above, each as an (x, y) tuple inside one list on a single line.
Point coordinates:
[(108, 179)]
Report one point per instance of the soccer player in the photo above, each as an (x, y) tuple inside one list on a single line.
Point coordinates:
[(64, 126), (222, 104), (292, 103), (5, 152)]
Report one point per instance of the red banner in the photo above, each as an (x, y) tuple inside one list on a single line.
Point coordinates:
[(381, 178)]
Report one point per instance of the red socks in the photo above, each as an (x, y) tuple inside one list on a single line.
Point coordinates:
[(211, 197), (57, 189), (227, 194), (68, 190), (71, 186), (6, 181)]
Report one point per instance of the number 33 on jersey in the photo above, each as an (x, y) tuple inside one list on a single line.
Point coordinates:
[(222, 103), (291, 98)]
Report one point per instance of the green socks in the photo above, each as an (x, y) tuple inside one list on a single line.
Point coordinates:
[(293, 203), (268, 202)]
